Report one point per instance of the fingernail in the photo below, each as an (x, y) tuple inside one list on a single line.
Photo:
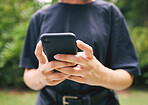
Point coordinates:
[(57, 56)]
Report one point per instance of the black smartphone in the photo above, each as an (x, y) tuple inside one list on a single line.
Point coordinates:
[(58, 43)]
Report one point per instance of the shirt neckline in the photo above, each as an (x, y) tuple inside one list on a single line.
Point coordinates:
[(76, 5)]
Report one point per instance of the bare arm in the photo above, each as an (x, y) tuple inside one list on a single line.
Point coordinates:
[(33, 79), (114, 79), (90, 71), (36, 79)]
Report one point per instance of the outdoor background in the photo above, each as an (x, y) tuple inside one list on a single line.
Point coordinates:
[(14, 19)]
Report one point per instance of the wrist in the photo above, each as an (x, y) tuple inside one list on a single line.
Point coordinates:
[(41, 80), (106, 76), (103, 74)]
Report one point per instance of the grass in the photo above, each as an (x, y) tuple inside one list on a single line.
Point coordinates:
[(9, 97), (15, 97), (134, 97)]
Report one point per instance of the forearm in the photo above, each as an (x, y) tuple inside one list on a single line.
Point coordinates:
[(90, 70), (33, 79), (115, 79)]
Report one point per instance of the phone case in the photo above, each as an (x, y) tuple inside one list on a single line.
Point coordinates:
[(58, 43)]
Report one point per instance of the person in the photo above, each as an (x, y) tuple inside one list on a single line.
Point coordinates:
[(106, 60)]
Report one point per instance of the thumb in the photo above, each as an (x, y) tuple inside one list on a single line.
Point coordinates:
[(40, 54)]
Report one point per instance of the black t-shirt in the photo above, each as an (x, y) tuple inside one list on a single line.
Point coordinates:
[(99, 24)]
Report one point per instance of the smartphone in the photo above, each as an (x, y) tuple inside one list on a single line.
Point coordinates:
[(58, 43)]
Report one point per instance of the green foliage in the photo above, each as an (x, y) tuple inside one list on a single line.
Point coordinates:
[(15, 11), (14, 22), (11, 74), (135, 11), (54, 1), (140, 39)]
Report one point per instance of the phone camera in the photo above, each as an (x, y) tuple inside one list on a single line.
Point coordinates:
[(46, 40)]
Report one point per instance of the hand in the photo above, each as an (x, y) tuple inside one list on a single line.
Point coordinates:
[(88, 70), (46, 68)]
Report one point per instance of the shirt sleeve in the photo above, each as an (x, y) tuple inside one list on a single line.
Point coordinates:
[(28, 58), (121, 54)]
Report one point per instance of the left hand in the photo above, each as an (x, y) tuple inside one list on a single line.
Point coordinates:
[(88, 70)]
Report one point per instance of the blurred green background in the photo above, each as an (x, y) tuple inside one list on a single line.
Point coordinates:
[(14, 21)]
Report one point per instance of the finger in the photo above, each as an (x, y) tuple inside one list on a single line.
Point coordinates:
[(56, 76), (71, 71), (50, 66), (86, 48), (40, 54), (55, 82), (77, 79), (77, 59)]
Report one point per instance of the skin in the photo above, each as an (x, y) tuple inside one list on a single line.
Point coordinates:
[(75, 1), (88, 70)]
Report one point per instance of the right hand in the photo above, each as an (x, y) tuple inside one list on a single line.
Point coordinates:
[(46, 69)]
